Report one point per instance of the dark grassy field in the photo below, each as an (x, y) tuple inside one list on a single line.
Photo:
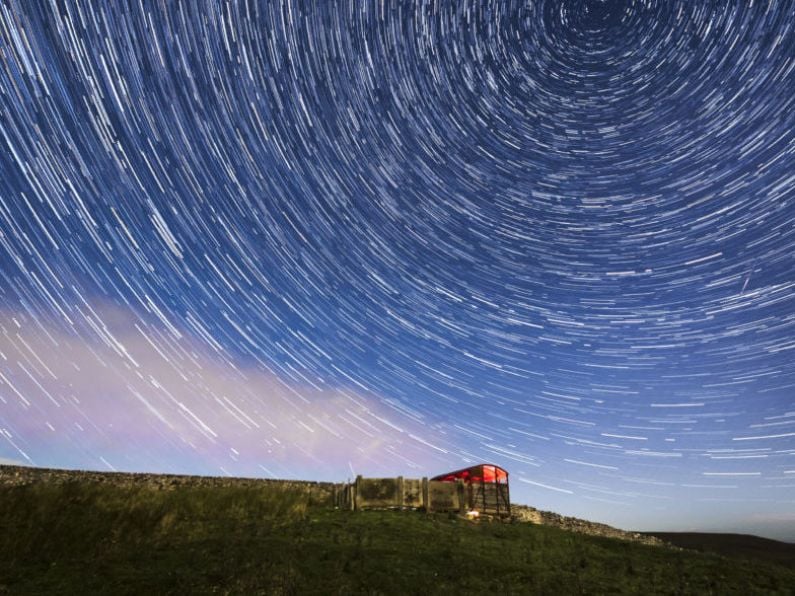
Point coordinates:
[(98, 538), (734, 545)]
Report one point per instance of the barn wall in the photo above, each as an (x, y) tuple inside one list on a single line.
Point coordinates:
[(444, 496), (412, 493), (378, 493)]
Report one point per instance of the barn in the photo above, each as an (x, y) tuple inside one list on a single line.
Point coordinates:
[(486, 488)]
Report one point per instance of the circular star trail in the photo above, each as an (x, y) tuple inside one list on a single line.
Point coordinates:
[(318, 239)]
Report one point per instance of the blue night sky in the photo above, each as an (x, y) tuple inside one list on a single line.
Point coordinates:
[(319, 239)]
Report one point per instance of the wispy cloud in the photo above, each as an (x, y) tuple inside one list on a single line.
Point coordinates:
[(116, 393)]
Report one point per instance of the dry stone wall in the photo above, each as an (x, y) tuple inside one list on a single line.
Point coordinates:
[(523, 513), (322, 493)]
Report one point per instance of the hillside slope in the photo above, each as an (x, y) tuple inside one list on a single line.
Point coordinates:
[(88, 537), (733, 545)]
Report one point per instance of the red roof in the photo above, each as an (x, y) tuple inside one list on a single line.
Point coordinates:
[(478, 473)]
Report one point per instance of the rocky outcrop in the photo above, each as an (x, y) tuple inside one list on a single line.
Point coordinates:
[(523, 513)]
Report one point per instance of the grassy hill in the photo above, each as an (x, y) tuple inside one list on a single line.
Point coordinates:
[(86, 537), (734, 545)]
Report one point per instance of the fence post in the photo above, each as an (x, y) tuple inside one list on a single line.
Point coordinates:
[(399, 497), (426, 495), (356, 500)]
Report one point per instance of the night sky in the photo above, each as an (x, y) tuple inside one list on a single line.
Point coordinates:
[(319, 239)]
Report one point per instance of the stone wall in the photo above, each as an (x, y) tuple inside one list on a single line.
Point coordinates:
[(322, 493), (523, 513)]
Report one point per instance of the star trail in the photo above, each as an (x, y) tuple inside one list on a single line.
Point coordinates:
[(319, 239)]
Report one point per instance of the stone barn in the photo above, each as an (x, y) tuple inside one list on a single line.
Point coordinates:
[(485, 488)]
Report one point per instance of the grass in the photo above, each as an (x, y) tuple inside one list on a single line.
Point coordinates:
[(734, 545), (100, 538)]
